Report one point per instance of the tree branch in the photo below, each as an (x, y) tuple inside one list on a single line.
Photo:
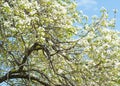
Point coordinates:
[(22, 76), (28, 52)]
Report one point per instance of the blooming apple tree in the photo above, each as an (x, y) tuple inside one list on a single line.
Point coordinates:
[(50, 43)]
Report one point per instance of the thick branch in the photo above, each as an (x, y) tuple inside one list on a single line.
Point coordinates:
[(10, 76), (28, 52)]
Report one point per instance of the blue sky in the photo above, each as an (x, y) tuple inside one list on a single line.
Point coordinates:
[(92, 7)]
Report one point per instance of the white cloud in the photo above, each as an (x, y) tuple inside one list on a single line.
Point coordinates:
[(87, 3)]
